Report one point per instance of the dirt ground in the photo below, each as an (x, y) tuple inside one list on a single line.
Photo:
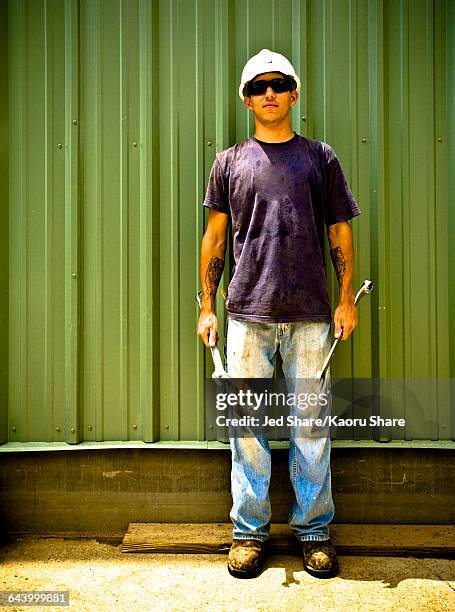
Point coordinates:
[(99, 576)]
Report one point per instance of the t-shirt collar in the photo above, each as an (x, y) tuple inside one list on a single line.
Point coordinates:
[(275, 144)]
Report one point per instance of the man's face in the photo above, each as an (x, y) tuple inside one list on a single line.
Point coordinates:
[(271, 108)]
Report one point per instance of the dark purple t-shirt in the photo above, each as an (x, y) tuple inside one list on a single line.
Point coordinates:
[(280, 196)]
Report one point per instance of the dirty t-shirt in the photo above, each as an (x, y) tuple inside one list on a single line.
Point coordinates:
[(280, 196)]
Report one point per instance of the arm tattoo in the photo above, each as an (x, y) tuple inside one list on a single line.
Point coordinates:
[(213, 275), (339, 263)]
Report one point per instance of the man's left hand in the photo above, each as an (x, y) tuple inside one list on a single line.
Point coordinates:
[(345, 319)]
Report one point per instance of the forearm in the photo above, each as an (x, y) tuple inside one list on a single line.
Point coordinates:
[(342, 255), (212, 266)]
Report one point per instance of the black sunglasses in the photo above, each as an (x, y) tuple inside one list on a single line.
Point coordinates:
[(279, 85)]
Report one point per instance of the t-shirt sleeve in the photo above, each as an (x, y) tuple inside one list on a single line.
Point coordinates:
[(340, 204), (217, 194)]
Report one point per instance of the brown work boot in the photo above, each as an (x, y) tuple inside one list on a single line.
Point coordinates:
[(319, 559), (246, 558)]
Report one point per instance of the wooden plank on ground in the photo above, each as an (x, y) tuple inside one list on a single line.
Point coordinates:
[(389, 540)]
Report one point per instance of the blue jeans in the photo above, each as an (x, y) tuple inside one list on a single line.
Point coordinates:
[(303, 347)]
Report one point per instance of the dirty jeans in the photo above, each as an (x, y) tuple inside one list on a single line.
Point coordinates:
[(303, 346)]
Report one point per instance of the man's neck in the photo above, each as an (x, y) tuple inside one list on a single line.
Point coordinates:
[(273, 134)]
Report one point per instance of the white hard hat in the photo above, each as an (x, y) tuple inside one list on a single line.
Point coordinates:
[(266, 61)]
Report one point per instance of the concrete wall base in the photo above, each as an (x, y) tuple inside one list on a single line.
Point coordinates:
[(102, 491)]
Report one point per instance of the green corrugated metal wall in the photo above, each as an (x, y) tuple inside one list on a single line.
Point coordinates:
[(116, 110), (3, 224)]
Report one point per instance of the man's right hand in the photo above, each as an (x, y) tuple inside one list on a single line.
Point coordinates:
[(208, 328)]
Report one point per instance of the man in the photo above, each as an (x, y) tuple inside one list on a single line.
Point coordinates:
[(279, 189)]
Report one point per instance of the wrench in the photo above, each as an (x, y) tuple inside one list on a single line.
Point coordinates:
[(367, 287), (219, 371)]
